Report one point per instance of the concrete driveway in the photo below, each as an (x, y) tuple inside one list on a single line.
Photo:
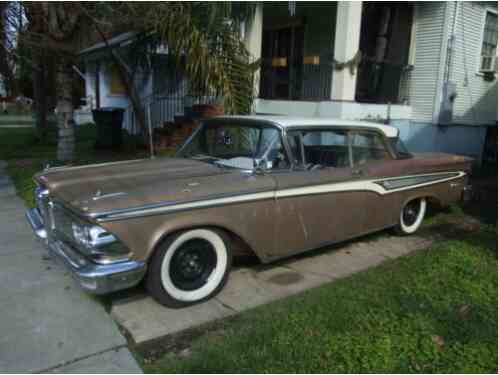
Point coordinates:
[(47, 323)]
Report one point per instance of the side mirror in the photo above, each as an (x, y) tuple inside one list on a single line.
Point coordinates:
[(260, 166)]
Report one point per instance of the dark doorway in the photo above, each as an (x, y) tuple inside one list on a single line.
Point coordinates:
[(385, 45), (282, 63)]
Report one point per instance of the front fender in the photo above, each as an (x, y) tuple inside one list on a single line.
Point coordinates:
[(253, 222)]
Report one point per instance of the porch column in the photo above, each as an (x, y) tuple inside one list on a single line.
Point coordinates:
[(346, 44), (253, 39)]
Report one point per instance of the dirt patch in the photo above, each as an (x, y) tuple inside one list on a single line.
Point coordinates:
[(179, 344), (285, 278)]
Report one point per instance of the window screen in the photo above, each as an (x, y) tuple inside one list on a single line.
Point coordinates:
[(489, 42)]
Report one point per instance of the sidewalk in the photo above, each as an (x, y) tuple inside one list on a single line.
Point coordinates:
[(47, 322)]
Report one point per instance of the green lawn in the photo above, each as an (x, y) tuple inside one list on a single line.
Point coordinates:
[(434, 311), (26, 155)]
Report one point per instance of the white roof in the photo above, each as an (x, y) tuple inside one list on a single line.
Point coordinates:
[(292, 121)]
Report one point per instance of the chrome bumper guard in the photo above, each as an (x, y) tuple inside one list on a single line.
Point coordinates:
[(95, 278)]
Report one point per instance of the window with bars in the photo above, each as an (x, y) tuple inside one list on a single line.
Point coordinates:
[(489, 43)]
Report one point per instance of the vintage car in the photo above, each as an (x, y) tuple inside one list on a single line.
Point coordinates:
[(272, 186)]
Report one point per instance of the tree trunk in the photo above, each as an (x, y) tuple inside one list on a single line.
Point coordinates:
[(132, 93), (65, 120), (40, 96)]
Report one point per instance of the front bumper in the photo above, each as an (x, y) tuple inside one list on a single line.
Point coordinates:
[(95, 278)]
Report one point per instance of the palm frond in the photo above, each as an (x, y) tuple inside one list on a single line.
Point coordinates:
[(207, 36)]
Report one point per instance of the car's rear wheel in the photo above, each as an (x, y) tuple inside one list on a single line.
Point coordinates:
[(411, 216), (189, 267)]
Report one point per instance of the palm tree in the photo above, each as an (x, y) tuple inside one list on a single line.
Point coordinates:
[(204, 37), (55, 26)]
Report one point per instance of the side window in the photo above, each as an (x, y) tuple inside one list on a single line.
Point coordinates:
[(328, 148), (367, 147)]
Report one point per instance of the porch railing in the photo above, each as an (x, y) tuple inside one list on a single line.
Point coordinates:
[(162, 108), (376, 83), (298, 82)]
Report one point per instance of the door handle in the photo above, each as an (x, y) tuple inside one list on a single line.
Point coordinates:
[(357, 172)]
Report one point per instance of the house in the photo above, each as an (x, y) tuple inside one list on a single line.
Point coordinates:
[(160, 83), (426, 68)]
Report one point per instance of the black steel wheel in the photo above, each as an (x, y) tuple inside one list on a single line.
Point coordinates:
[(189, 267)]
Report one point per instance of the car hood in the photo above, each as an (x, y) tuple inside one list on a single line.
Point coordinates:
[(112, 186)]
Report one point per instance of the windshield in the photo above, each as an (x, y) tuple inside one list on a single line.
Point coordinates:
[(235, 145)]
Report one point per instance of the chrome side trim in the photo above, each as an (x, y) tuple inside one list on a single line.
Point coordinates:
[(167, 208), (375, 185)]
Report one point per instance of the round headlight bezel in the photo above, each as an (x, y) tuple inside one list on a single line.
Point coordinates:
[(91, 236), (80, 233)]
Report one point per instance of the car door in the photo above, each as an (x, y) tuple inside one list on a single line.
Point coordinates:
[(315, 201), (371, 161)]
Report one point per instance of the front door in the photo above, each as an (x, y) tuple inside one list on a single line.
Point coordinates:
[(371, 160), (282, 62), (317, 202)]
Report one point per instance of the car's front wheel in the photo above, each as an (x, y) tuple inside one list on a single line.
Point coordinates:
[(189, 267), (411, 216)]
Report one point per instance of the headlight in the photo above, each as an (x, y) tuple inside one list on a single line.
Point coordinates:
[(98, 243), (80, 234), (91, 236)]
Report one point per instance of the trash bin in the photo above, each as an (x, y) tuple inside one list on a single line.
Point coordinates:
[(109, 121)]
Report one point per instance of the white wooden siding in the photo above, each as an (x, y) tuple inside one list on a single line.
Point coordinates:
[(429, 42), (477, 100)]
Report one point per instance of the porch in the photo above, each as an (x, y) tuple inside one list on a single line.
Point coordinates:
[(340, 53)]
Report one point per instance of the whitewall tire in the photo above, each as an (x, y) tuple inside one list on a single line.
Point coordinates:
[(411, 216), (189, 267)]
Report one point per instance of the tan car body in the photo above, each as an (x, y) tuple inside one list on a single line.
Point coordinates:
[(273, 214)]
